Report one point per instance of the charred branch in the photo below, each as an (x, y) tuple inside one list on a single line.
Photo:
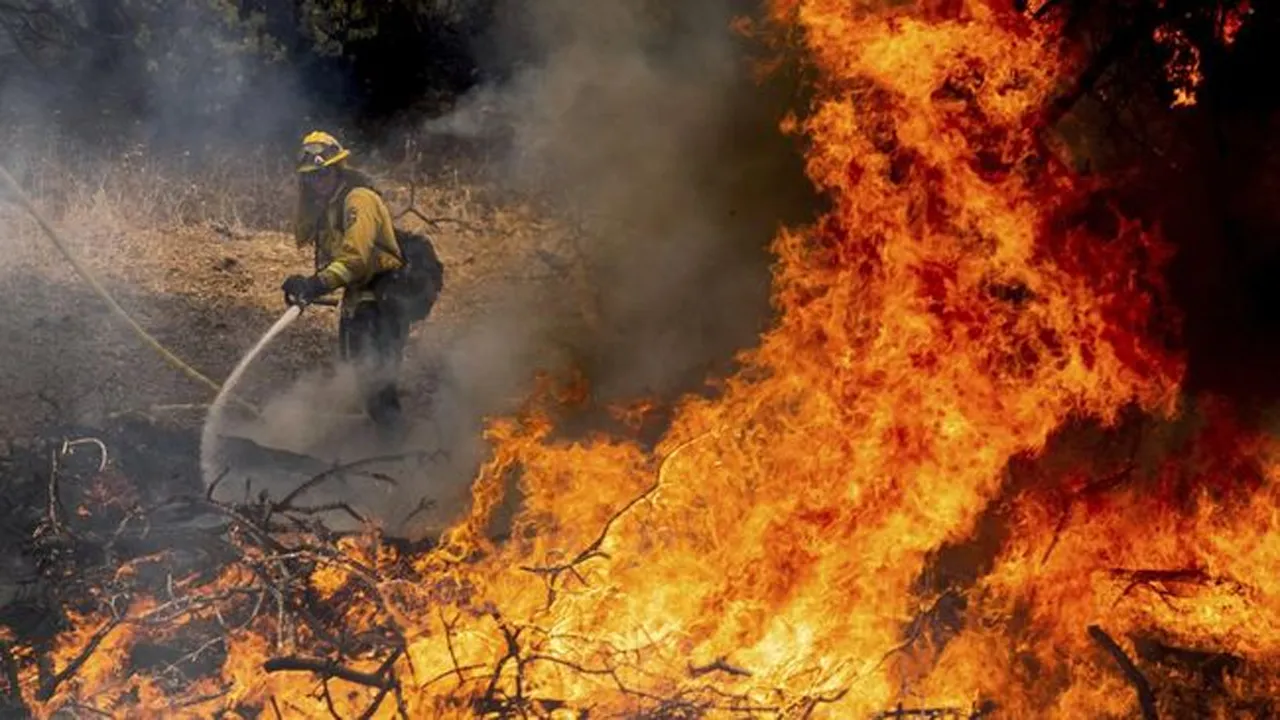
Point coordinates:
[(1044, 8), (329, 669), (50, 686), (202, 699), (1212, 667), (448, 639), (328, 699), (336, 471), (280, 548), (1161, 581), (810, 705), (1146, 699), (720, 664), (512, 638), (424, 505), (386, 671), (54, 508)]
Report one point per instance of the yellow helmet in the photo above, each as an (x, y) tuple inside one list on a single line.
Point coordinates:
[(320, 150)]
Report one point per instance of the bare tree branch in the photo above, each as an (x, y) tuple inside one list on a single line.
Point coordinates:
[(1146, 699)]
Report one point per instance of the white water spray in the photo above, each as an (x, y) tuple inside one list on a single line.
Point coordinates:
[(213, 420)]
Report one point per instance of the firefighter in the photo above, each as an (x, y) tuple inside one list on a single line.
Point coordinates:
[(343, 216)]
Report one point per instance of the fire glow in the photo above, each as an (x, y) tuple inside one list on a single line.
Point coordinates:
[(965, 297)]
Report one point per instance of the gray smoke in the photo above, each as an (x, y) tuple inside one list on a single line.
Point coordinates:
[(126, 121), (641, 126), (641, 123)]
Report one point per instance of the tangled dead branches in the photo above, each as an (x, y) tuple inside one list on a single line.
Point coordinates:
[(182, 578)]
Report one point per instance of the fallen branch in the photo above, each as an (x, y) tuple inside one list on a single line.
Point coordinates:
[(55, 499), (328, 699), (330, 507), (51, 685), (328, 669), (811, 704), (1213, 667), (1044, 9), (448, 639), (720, 664), (222, 475), (1159, 580), (384, 670), (424, 505), (437, 221), (1146, 699), (512, 638), (287, 500), (75, 705), (202, 699)]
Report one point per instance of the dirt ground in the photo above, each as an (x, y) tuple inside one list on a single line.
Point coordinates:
[(208, 293)]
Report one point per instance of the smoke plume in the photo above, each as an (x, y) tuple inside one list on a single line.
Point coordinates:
[(642, 125)]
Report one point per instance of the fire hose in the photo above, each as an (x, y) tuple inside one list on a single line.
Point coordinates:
[(13, 188), (223, 392)]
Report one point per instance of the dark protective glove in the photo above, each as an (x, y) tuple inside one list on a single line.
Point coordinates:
[(300, 290)]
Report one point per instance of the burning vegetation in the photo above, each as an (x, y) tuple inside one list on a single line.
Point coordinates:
[(958, 477)]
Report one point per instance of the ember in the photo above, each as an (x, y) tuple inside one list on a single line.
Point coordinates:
[(954, 337)]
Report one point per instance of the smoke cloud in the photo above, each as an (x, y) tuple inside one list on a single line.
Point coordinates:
[(642, 123)]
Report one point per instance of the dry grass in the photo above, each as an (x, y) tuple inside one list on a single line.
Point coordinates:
[(198, 260), (239, 191)]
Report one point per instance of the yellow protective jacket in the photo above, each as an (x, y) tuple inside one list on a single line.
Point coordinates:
[(354, 239)]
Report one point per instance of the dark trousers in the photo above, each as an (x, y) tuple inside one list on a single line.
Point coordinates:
[(372, 337)]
